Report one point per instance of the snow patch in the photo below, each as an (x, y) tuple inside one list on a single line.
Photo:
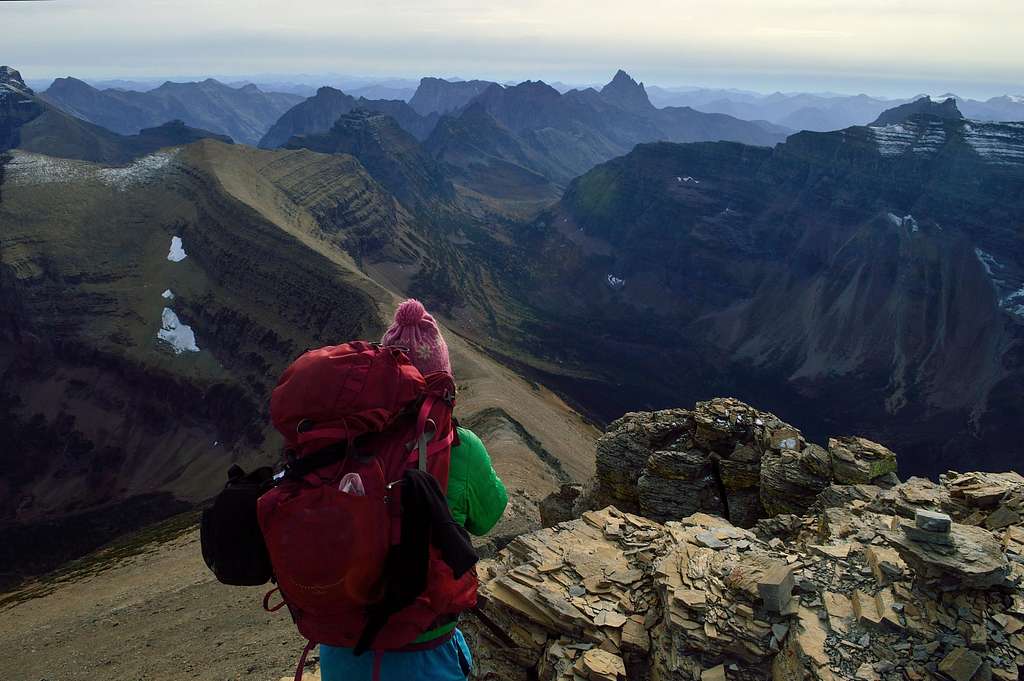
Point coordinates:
[(1014, 303), (615, 282), (989, 262), (905, 221), (35, 169), (168, 295), (897, 139), (997, 273), (180, 336), (932, 139), (893, 139), (687, 180), (997, 143), (140, 171), (26, 169), (177, 253)]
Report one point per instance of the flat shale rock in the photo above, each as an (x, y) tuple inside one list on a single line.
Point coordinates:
[(975, 558)]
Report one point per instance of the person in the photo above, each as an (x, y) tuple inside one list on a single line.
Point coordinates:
[(476, 498)]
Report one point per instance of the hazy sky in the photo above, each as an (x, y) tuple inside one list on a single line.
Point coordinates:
[(895, 47)]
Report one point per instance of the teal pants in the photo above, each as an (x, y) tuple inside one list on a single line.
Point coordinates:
[(450, 661)]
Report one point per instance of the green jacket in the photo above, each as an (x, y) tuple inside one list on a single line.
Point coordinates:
[(476, 496)]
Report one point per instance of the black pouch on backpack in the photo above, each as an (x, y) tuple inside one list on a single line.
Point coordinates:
[(233, 546)]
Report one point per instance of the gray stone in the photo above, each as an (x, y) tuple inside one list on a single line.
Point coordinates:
[(917, 534), (932, 521), (709, 540), (558, 507), (856, 460), (776, 588), (976, 559), (960, 665)]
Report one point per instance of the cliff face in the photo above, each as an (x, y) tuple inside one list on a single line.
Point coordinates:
[(435, 95), (869, 578)]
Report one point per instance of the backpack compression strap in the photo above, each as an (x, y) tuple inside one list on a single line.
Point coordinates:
[(296, 469), (426, 429)]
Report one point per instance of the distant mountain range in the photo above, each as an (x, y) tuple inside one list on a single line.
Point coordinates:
[(516, 146), (318, 114), (242, 113), (30, 123), (820, 112)]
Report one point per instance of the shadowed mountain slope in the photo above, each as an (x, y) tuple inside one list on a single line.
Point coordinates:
[(318, 114), (392, 155), (872, 276)]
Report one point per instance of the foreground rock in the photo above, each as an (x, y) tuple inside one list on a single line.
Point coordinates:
[(866, 578), (727, 458)]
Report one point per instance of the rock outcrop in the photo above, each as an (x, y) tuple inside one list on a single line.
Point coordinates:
[(727, 458), (945, 108), (846, 573)]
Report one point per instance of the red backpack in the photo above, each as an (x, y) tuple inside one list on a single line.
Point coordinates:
[(363, 409)]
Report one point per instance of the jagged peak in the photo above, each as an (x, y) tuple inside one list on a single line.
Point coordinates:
[(626, 92), (327, 90), (925, 105), (622, 77), (11, 79)]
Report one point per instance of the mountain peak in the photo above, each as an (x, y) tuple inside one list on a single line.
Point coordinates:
[(69, 83), (10, 79), (621, 76), (944, 109), (626, 92), (437, 95)]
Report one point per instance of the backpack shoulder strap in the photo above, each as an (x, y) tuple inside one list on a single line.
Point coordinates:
[(426, 429)]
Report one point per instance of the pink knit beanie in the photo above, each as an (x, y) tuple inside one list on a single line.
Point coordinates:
[(417, 331)]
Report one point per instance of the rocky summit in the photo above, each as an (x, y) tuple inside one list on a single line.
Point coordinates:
[(727, 458), (842, 571)]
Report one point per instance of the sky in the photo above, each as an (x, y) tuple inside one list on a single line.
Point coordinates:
[(881, 47)]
